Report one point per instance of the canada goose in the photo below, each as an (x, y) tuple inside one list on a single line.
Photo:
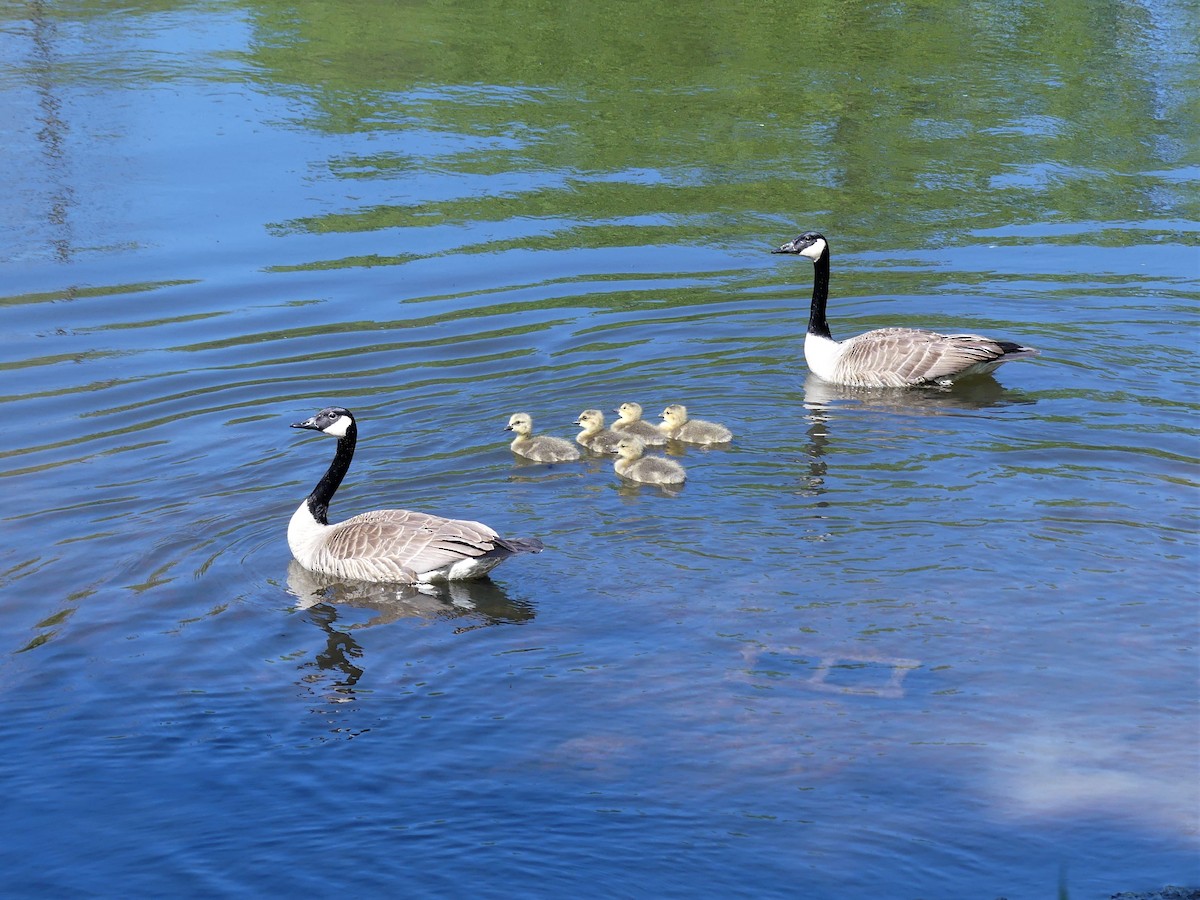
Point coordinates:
[(542, 448), (390, 545), (595, 436), (678, 427), (647, 469), (629, 421), (889, 357)]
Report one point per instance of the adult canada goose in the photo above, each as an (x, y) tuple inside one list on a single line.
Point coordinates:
[(542, 448), (629, 421), (647, 469), (388, 545), (595, 436), (678, 427), (889, 357)]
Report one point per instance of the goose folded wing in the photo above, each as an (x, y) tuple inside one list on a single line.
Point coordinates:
[(416, 541), (906, 356), (959, 352)]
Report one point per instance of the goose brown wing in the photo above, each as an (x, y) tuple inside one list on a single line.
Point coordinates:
[(905, 356), (416, 541)]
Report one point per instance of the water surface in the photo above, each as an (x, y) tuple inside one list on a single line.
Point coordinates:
[(910, 644)]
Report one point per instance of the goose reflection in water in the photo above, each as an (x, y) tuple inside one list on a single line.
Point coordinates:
[(334, 605), (822, 398), (478, 603), (975, 393)]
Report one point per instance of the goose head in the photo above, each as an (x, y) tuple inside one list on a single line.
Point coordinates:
[(591, 419), (630, 447), (335, 421), (520, 422), (811, 244), (675, 415), (629, 412)]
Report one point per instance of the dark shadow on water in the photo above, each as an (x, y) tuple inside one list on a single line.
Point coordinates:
[(478, 604), (683, 449), (969, 394), (528, 471), (337, 606), (823, 399), (632, 490)]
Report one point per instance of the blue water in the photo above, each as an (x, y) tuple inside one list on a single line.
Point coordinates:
[(894, 644)]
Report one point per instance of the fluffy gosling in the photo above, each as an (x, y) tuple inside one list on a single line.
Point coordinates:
[(542, 448), (678, 427), (647, 469), (629, 421), (595, 436)]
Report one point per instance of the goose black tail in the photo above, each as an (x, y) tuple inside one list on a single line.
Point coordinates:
[(520, 545), (1015, 350)]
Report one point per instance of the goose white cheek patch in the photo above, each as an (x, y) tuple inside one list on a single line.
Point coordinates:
[(814, 251), (338, 427)]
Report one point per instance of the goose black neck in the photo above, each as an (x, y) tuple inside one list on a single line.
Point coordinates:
[(816, 315), (318, 500)]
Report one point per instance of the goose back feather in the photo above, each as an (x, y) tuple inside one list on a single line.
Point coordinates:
[(899, 357)]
